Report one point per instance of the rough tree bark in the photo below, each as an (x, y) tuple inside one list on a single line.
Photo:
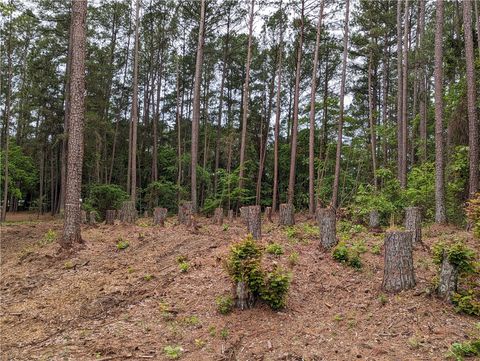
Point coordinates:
[(399, 90), (448, 279), (92, 218), (83, 217), (159, 215), (71, 225), (185, 212), (404, 130), (244, 214), (230, 215), (374, 219), (110, 216), (218, 216), (244, 298), (371, 118), (286, 216), (254, 221), (268, 214), (471, 100), (327, 225), (128, 212), (398, 272), (440, 214), (413, 223), (336, 180)]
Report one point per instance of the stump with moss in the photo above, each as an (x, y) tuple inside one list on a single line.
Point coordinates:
[(327, 225), (185, 212), (413, 222), (286, 215), (128, 213), (159, 215), (254, 221), (218, 216), (244, 298), (398, 271), (268, 214), (374, 219), (110, 216)]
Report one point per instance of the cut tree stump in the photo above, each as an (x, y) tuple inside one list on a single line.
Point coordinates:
[(244, 214), (145, 214), (413, 222), (374, 219), (448, 279), (398, 273), (218, 216), (110, 216), (327, 225), (230, 215), (84, 216), (268, 214), (254, 221), (185, 212), (92, 218), (286, 216), (244, 298), (159, 215), (128, 213)]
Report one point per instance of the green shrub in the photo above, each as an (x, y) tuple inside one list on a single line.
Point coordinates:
[(48, 238), (162, 193), (458, 255), (172, 352), (459, 350), (473, 214), (102, 197), (466, 303), (224, 304), (275, 288), (340, 252), (293, 258), (274, 248), (376, 249), (420, 191), (122, 244), (349, 255), (184, 266)]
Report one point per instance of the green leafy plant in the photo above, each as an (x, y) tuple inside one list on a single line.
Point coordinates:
[(148, 277), (276, 285), (49, 237), (293, 258), (184, 266), (224, 304), (122, 244), (173, 352), (458, 255), (349, 255), (102, 197), (460, 350), (275, 249), (473, 213), (225, 227), (376, 249), (466, 302)]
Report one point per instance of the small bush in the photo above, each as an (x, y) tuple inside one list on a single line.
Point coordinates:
[(274, 248), (376, 249), (466, 303), (459, 350), (48, 237), (473, 214), (122, 244), (148, 277), (276, 287), (293, 258), (172, 352), (224, 304), (184, 266), (104, 196), (340, 252), (458, 255), (349, 255)]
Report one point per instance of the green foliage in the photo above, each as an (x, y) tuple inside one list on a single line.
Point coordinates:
[(420, 191), (458, 255), (376, 249), (275, 249), (224, 304), (457, 179), (460, 350), (162, 193), (173, 352), (348, 254), (340, 252), (102, 197), (184, 266), (275, 288), (48, 238), (148, 277), (473, 214), (122, 244), (466, 303), (293, 258)]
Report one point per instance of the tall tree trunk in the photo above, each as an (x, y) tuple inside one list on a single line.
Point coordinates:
[(403, 179), (134, 113), (336, 180), (179, 133), (422, 86), (278, 111), (196, 105), (477, 22), (440, 216), (373, 137), (399, 91), (71, 226), (296, 98), (471, 100), (311, 140), (246, 97)]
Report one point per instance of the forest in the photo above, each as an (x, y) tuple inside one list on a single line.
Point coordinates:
[(240, 180)]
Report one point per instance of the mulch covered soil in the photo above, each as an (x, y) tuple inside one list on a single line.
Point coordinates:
[(105, 303)]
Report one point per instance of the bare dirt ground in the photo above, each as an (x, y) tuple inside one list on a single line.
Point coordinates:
[(109, 304)]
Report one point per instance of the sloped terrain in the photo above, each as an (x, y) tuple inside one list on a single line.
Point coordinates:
[(106, 303)]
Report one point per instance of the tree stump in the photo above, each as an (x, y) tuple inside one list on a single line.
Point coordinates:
[(218, 216), (448, 279), (398, 273), (230, 215), (244, 215), (413, 222), (374, 219), (268, 214), (254, 221), (243, 296), (92, 220), (145, 214), (84, 216), (327, 225), (128, 213), (185, 211), (286, 215), (110, 216), (159, 215)]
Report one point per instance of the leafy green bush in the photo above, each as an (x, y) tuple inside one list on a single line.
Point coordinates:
[(458, 255), (122, 244), (224, 304), (184, 266), (340, 252), (420, 191), (473, 214), (102, 197), (162, 193), (459, 350), (48, 238), (172, 352), (349, 255), (293, 258), (274, 248), (275, 288), (456, 181), (466, 303)]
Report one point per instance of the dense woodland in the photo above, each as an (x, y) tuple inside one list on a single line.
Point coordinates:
[(359, 104)]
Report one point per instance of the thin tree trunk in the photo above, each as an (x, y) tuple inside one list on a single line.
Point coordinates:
[(311, 140), (196, 106), (471, 100), (477, 22), (440, 216), (71, 227), (422, 91), (399, 91), (403, 179), (373, 137), (293, 155), (336, 180), (179, 133), (246, 97)]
